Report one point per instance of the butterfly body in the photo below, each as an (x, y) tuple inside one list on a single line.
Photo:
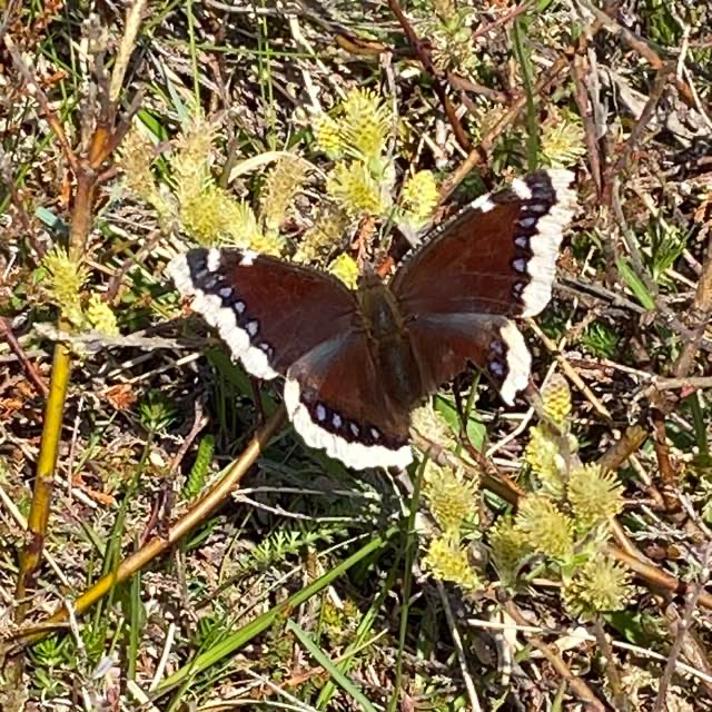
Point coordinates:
[(389, 342), (357, 362)]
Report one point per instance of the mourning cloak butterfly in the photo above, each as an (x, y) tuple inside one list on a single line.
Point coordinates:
[(357, 362)]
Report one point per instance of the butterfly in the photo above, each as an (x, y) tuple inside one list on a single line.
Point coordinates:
[(357, 362)]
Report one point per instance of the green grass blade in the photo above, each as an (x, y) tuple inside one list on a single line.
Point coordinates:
[(411, 546), (245, 634), (134, 625), (318, 654), (364, 628), (521, 49), (635, 284), (700, 429)]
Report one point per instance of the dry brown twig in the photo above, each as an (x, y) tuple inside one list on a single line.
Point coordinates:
[(423, 54), (478, 154), (656, 93), (641, 47), (35, 90), (578, 287), (32, 374), (699, 317), (579, 72), (570, 371), (113, 289), (630, 442), (692, 598), (612, 671), (576, 684), (700, 312), (200, 420)]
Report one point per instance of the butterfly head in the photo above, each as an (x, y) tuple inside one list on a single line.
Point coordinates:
[(368, 278)]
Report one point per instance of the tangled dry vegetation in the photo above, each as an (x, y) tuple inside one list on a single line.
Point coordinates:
[(167, 543)]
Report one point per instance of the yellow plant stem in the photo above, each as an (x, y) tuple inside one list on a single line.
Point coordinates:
[(44, 477), (159, 544), (37, 520)]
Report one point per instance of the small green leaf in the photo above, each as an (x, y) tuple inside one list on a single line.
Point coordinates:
[(635, 284), (637, 628), (53, 222), (476, 431)]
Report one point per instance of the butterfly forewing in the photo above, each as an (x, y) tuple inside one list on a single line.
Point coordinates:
[(497, 256), (268, 312)]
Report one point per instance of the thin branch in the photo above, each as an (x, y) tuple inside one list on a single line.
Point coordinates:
[(126, 48), (32, 374), (630, 442), (642, 48), (579, 72), (478, 154), (459, 648), (576, 684), (700, 314), (438, 86), (94, 341), (35, 90), (609, 661), (469, 85), (669, 474), (672, 384), (691, 603), (503, 20), (147, 246), (96, 147), (656, 93), (569, 370)]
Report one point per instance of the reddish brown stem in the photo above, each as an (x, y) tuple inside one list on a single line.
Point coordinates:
[(32, 374), (579, 71), (666, 467)]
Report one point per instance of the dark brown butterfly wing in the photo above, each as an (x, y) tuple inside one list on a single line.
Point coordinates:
[(336, 399), (446, 344), (497, 256), (267, 311), (495, 259)]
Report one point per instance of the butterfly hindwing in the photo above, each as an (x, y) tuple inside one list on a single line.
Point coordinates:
[(447, 343), (336, 398)]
